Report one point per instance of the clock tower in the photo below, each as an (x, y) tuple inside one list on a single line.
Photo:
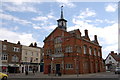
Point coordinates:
[(62, 22)]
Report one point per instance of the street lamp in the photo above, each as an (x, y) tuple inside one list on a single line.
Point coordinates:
[(77, 65), (15, 61), (52, 64)]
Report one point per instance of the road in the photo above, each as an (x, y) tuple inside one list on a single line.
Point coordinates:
[(38, 76)]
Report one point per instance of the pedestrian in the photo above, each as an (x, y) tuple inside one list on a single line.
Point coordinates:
[(26, 72), (33, 70)]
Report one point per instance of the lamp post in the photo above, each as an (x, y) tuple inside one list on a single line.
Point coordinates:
[(77, 65), (15, 58), (52, 64)]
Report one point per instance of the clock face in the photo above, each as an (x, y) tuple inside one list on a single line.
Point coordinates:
[(60, 23), (63, 23)]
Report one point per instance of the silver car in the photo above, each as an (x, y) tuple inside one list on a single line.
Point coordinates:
[(117, 70)]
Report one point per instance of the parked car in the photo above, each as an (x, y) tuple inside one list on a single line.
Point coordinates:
[(3, 76), (117, 70)]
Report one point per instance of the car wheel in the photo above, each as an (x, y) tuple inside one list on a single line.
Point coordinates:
[(4, 78), (115, 73)]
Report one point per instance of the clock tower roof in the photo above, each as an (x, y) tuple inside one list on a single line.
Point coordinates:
[(62, 21)]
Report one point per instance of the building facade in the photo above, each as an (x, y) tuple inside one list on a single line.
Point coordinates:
[(70, 53), (112, 61), (0, 56), (10, 57), (16, 58), (31, 56)]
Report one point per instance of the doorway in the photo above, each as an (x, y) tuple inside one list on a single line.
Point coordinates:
[(57, 68)]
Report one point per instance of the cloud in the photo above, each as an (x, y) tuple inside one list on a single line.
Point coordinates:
[(1, 10), (102, 32), (104, 21), (66, 3), (87, 13), (14, 28), (45, 18), (111, 7), (14, 19), (35, 27), (24, 38), (40, 18), (105, 34), (24, 7)]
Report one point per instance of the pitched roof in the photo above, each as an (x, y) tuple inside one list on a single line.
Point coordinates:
[(115, 56), (54, 31)]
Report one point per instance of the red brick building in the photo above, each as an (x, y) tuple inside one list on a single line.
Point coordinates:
[(71, 53)]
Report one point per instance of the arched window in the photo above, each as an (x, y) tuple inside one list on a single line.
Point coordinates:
[(95, 52), (85, 49), (78, 49), (99, 53), (90, 50)]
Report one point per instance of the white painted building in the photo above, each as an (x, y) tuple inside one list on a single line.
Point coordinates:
[(30, 58), (112, 61)]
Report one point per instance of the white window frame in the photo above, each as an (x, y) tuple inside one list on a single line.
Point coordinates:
[(85, 49), (4, 47), (99, 53), (95, 52), (69, 66), (90, 50), (15, 58), (4, 57)]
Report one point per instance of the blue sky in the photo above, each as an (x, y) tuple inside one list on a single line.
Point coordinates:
[(33, 21)]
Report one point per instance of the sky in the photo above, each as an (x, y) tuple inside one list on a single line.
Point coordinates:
[(30, 22)]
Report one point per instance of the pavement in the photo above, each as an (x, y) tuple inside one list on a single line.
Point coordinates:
[(41, 75)]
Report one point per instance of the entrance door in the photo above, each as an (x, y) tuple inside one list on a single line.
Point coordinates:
[(57, 68), (22, 69)]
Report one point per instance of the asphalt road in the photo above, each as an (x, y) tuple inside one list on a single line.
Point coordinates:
[(41, 76)]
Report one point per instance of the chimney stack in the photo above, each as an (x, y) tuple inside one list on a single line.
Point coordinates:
[(35, 44), (115, 53), (112, 51), (95, 37), (18, 42), (86, 32), (31, 45), (5, 40)]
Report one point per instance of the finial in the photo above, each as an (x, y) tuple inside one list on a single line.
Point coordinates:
[(61, 12)]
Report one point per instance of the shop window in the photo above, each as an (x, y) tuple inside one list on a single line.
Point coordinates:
[(69, 66)]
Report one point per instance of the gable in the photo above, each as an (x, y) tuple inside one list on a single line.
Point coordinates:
[(108, 59), (55, 33)]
